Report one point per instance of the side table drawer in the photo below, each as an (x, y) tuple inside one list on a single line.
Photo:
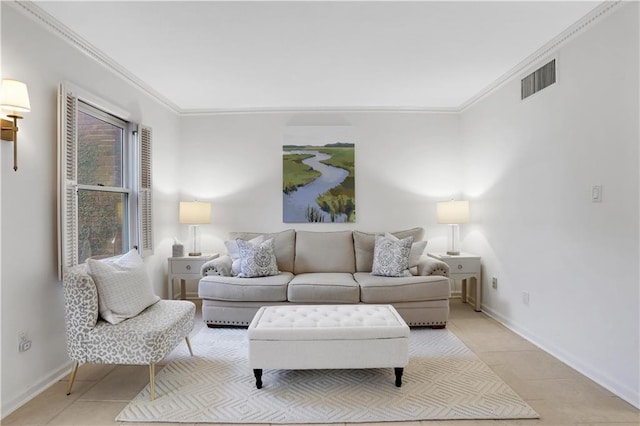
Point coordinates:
[(464, 266), (186, 267)]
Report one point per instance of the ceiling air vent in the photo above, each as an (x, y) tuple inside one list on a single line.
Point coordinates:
[(538, 80)]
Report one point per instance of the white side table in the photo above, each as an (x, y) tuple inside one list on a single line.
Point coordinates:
[(186, 268), (464, 267)]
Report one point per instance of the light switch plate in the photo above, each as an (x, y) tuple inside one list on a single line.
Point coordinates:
[(596, 194)]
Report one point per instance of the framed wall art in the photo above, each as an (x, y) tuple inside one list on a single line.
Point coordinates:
[(318, 174)]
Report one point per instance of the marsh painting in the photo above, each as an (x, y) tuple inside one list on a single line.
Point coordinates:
[(318, 174)]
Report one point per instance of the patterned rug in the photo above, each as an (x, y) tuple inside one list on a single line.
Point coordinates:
[(443, 380)]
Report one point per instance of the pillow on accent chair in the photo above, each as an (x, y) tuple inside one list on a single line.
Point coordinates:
[(124, 288), (257, 260), (234, 252), (391, 258)]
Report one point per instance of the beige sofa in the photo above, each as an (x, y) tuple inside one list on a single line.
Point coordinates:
[(325, 268)]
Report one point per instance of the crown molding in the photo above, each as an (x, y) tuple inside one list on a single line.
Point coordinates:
[(50, 23), (543, 52), (38, 15), (319, 109)]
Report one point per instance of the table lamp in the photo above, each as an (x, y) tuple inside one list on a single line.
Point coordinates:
[(195, 213), (453, 213)]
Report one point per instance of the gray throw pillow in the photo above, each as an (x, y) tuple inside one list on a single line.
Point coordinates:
[(257, 260), (391, 258)]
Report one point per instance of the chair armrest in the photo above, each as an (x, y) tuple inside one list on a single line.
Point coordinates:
[(430, 266), (218, 266)]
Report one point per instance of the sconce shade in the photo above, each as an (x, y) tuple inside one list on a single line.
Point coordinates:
[(451, 212), (14, 96), (195, 212)]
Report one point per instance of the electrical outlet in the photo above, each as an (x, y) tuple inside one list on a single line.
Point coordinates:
[(525, 298), (24, 344), (494, 283)]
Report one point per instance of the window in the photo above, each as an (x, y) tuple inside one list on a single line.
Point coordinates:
[(105, 180)]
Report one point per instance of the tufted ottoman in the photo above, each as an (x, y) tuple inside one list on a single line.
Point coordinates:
[(305, 337)]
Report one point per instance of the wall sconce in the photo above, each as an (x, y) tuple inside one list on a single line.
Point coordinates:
[(14, 98), (195, 213), (453, 213)]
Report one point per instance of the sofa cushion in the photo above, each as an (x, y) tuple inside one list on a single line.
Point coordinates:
[(284, 242), (257, 260), (326, 287), (376, 289), (263, 289), (365, 241), (391, 256), (324, 252)]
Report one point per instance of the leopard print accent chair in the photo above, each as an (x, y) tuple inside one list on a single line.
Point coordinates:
[(141, 340)]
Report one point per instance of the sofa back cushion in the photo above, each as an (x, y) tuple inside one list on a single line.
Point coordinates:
[(364, 243), (324, 252), (285, 242)]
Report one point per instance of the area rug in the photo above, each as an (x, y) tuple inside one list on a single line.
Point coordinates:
[(443, 380)]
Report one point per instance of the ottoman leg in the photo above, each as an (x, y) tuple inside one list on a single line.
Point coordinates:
[(258, 373), (399, 372)]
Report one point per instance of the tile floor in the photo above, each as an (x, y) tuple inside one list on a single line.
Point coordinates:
[(558, 393)]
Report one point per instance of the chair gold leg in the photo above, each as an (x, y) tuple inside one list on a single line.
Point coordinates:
[(152, 380), (72, 377), (189, 345)]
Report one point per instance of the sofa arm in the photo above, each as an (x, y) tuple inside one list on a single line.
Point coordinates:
[(218, 266), (430, 266)]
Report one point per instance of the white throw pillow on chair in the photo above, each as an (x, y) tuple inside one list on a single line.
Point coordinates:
[(124, 288)]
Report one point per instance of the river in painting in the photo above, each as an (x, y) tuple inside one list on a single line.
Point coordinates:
[(295, 203)]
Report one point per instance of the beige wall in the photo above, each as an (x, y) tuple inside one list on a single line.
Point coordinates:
[(531, 166), (31, 294), (405, 162)]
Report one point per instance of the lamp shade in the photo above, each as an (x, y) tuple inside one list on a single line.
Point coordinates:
[(14, 96), (453, 212), (195, 212)]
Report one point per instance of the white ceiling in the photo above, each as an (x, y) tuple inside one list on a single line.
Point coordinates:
[(239, 55)]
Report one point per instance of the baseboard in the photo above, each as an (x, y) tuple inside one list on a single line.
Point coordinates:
[(12, 405), (624, 392)]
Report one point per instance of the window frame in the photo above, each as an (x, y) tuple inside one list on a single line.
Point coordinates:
[(128, 170), (137, 229)]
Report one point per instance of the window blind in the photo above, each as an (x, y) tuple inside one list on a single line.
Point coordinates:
[(67, 175), (145, 193)]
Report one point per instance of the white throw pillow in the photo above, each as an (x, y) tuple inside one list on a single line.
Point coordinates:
[(124, 288), (391, 258), (234, 252), (417, 249), (257, 260)]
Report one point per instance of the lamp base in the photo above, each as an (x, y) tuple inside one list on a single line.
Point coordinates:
[(195, 254), (453, 240)]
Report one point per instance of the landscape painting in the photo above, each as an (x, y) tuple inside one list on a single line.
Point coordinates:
[(318, 174)]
